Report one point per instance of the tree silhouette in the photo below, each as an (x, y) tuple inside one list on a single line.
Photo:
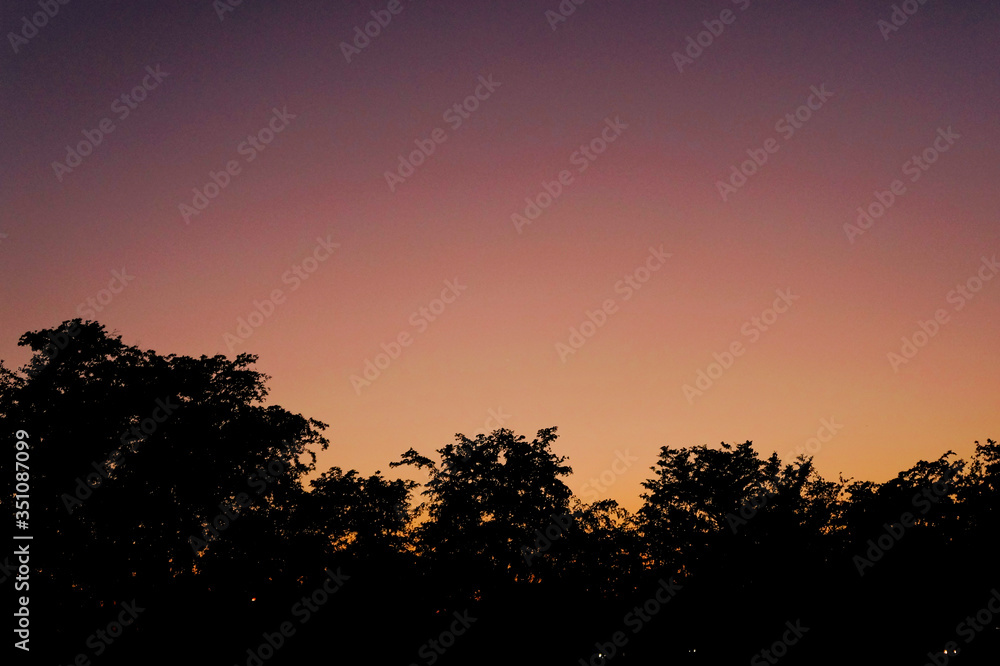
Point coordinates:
[(487, 498), (135, 453), (167, 479)]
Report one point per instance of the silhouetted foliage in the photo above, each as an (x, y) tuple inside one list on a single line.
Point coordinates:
[(168, 480)]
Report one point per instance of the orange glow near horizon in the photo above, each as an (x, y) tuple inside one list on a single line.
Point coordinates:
[(491, 354)]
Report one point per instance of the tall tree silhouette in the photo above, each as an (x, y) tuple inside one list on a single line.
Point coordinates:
[(136, 453), (487, 498), (167, 479)]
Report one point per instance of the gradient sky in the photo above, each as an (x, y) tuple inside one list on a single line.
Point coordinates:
[(494, 347)]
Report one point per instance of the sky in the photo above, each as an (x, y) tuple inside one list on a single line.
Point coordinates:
[(648, 225)]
